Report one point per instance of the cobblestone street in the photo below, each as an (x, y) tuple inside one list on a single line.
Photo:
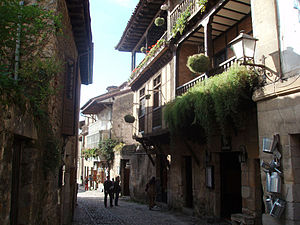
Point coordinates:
[(91, 211)]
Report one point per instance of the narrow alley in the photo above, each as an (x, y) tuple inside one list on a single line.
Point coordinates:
[(91, 211)]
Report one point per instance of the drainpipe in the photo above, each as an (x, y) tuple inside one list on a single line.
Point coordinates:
[(278, 37), (18, 45)]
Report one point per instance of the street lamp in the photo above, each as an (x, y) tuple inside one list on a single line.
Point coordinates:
[(243, 47)]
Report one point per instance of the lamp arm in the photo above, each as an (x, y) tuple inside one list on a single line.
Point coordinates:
[(268, 74)]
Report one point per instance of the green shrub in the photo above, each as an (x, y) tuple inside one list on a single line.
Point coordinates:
[(215, 103)]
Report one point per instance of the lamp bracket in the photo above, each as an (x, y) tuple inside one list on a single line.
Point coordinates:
[(264, 71)]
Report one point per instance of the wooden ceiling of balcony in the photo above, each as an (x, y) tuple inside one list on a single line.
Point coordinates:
[(227, 17), (141, 18)]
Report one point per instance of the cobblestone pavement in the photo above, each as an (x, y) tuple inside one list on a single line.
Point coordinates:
[(91, 211)]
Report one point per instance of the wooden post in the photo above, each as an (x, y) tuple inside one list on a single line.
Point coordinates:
[(208, 43), (133, 60)]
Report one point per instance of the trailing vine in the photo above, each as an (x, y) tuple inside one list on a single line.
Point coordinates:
[(27, 68), (215, 103), (153, 49), (181, 22)]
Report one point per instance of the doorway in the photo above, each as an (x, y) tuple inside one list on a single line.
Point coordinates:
[(188, 181), (125, 176), (16, 164), (231, 196)]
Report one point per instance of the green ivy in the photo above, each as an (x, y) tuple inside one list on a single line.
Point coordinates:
[(215, 103), (181, 22), (28, 85), (106, 149), (90, 153)]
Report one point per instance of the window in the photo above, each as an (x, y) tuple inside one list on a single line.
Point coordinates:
[(157, 90), (142, 110)]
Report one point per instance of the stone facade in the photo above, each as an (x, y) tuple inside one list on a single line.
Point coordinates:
[(29, 193)]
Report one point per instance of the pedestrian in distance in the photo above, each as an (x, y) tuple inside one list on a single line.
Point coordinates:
[(91, 181), (151, 192), (113, 192), (117, 190), (108, 190), (86, 183)]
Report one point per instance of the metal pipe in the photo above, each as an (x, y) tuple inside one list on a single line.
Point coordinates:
[(18, 46)]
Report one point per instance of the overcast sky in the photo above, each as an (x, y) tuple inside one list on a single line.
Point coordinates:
[(111, 67)]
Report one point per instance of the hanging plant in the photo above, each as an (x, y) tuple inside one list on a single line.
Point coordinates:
[(143, 49), (159, 21), (129, 118), (213, 104), (198, 63)]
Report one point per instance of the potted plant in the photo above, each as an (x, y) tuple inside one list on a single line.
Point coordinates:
[(198, 63), (143, 49), (159, 21)]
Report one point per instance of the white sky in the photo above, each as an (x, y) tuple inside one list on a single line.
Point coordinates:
[(111, 67)]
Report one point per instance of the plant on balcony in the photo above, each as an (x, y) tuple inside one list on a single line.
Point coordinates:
[(216, 103), (152, 51), (203, 4), (198, 63), (143, 49), (90, 153), (181, 22), (159, 21)]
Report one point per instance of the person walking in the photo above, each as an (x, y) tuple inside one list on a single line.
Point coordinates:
[(151, 192), (117, 190), (86, 182), (108, 190)]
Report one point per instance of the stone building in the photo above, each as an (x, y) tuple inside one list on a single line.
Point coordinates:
[(104, 118), (32, 190), (222, 177)]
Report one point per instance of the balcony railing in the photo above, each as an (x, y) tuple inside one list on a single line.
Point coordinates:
[(150, 56), (176, 12), (220, 69), (156, 118), (184, 88)]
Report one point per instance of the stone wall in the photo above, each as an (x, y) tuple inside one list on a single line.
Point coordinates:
[(121, 130), (207, 201), (38, 196), (280, 116)]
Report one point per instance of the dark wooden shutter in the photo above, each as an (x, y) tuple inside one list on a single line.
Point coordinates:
[(68, 118)]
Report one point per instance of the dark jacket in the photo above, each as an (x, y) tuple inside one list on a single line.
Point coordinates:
[(108, 186)]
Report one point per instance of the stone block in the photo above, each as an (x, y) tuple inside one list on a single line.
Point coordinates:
[(269, 220), (296, 162), (292, 211), (246, 192)]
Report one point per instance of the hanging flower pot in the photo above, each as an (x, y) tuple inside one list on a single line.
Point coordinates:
[(159, 21), (143, 49), (129, 118), (198, 63)]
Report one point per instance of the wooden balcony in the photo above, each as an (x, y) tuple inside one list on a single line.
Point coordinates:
[(150, 57), (220, 69), (194, 8)]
